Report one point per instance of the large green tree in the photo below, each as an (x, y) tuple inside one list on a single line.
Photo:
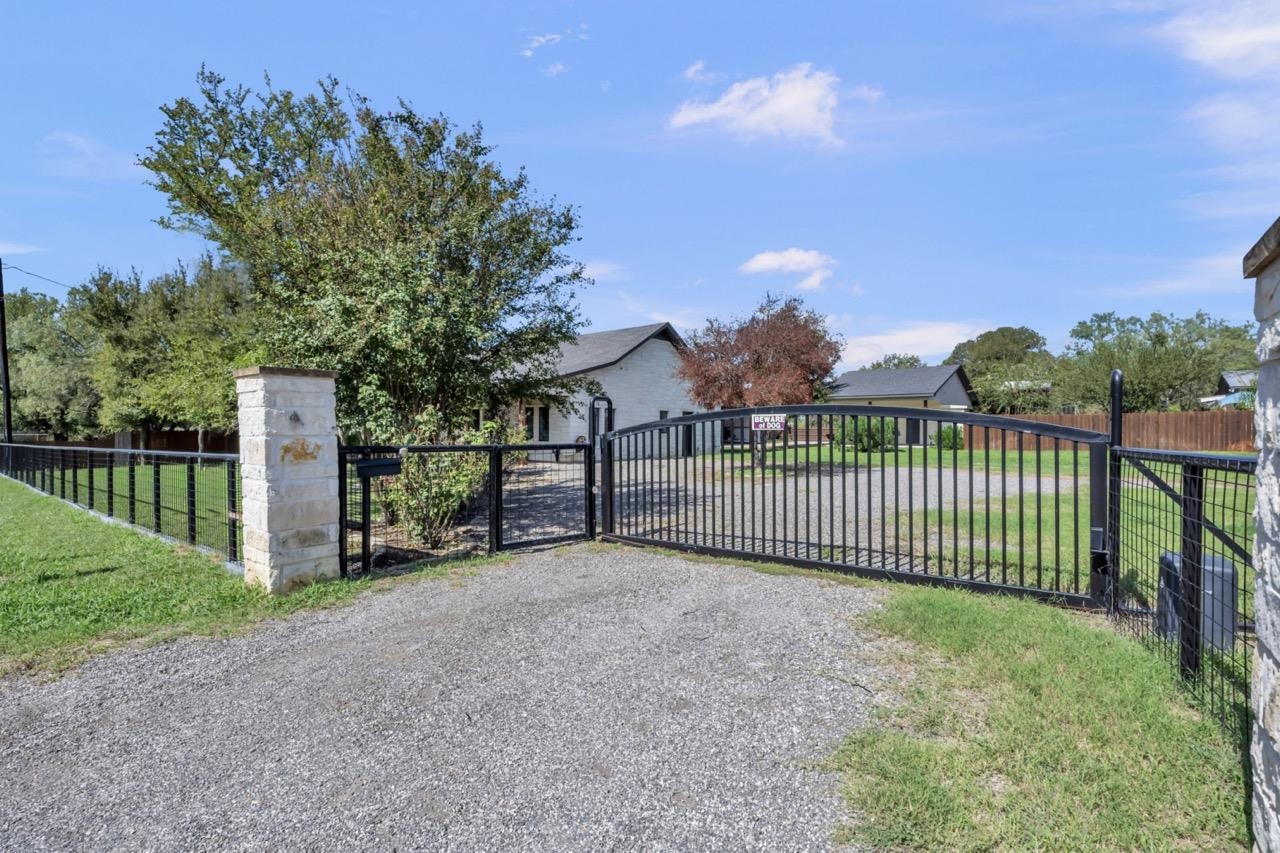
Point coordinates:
[(385, 245), (49, 367), (1168, 362)]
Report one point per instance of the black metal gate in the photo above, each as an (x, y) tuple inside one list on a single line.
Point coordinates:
[(972, 500), (402, 505)]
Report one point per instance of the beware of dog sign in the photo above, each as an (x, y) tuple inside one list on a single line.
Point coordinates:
[(768, 422)]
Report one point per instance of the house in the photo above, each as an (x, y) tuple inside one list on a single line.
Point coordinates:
[(636, 368), (944, 388), (1234, 381), (1235, 387)]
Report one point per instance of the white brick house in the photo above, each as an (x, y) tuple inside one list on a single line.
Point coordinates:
[(636, 368)]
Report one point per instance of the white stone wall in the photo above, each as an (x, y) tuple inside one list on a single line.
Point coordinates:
[(641, 385), (1265, 692), (289, 476)]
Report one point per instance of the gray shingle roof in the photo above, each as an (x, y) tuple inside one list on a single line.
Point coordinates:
[(595, 350), (899, 382), (1238, 380)]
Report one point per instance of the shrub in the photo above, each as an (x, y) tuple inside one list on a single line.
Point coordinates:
[(866, 434), (950, 437), (432, 488)]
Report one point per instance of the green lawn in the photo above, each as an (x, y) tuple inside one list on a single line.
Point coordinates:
[(1030, 727), (72, 585), (209, 485)]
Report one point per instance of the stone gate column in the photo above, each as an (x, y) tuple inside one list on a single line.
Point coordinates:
[(1263, 263), (289, 476)]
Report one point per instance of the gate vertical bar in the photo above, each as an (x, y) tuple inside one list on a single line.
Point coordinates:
[(342, 509), (366, 524), (590, 487), (111, 486), (155, 493), (1113, 490), (132, 471), (1189, 612), (495, 499), (89, 476), (606, 474)]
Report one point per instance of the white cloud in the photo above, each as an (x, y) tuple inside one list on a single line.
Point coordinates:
[(7, 248), (698, 73), (818, 266), (600, 270), (74, 155), (925, 338), (536, 42), (555, 69), (799, 103), (1239, 39), (787, 260), (1220, 273)]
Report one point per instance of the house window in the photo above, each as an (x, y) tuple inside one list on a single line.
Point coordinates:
[(541, 416), (662, 414)]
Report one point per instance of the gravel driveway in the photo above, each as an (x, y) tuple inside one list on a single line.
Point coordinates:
[(582, 698)]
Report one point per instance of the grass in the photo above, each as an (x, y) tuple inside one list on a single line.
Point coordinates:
[(209, 486), (72, 585), (1029, 727)]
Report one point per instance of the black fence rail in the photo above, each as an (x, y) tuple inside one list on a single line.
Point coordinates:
[(1183, 542), (402, 505), (191, 498), (879, 491)]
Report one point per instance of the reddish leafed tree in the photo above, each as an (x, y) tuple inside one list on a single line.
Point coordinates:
[(778, 356)]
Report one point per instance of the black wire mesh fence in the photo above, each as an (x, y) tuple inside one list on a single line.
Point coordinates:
[(1183, 528), (405, 505), (913, 494), (191, 498)]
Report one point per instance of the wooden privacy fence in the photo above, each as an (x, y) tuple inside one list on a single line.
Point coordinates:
[(1222, 429)]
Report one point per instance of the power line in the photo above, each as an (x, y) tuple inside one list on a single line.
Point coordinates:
[(37, 275)]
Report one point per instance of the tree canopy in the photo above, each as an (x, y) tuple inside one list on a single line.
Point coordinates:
[(387, 246), (780, 355), (896, 361)]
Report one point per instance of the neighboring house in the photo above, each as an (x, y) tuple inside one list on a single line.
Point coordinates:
[(636, 368), (945, 388), (1235, 387)]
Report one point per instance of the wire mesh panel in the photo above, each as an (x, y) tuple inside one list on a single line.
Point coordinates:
[(544, 497), (892, 492), (405, 506), (1184, 569), (402, 505), (191, 498)]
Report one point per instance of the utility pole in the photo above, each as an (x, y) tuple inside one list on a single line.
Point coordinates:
[(4, 365)]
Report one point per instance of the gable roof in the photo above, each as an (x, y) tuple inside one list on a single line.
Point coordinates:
[(898, 382), (1237, 380), (595, 350)]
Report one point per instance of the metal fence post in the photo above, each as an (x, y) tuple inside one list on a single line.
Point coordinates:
[(606, 484), (133, 488), (1099, 554), (1113, 490), (589, 459), (495, 499), (342, 511), (233, 544), (111, 486), (1191, 583), (191, 501), (366, 524), (62, 474), (155, 493), (89, 475)]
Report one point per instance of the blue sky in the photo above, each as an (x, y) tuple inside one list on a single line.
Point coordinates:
[(918, 172)]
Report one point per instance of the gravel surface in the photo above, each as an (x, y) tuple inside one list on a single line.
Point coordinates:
[(582, 698)]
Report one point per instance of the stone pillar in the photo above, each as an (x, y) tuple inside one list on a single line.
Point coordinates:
[(289, 476), (1263, 263)]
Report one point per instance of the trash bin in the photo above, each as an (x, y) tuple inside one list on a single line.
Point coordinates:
[(1218, 599)]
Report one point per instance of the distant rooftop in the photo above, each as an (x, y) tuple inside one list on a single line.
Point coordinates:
[(896, 382), (595, 350)]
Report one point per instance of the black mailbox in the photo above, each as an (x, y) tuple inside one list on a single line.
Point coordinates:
[(378, 467)]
